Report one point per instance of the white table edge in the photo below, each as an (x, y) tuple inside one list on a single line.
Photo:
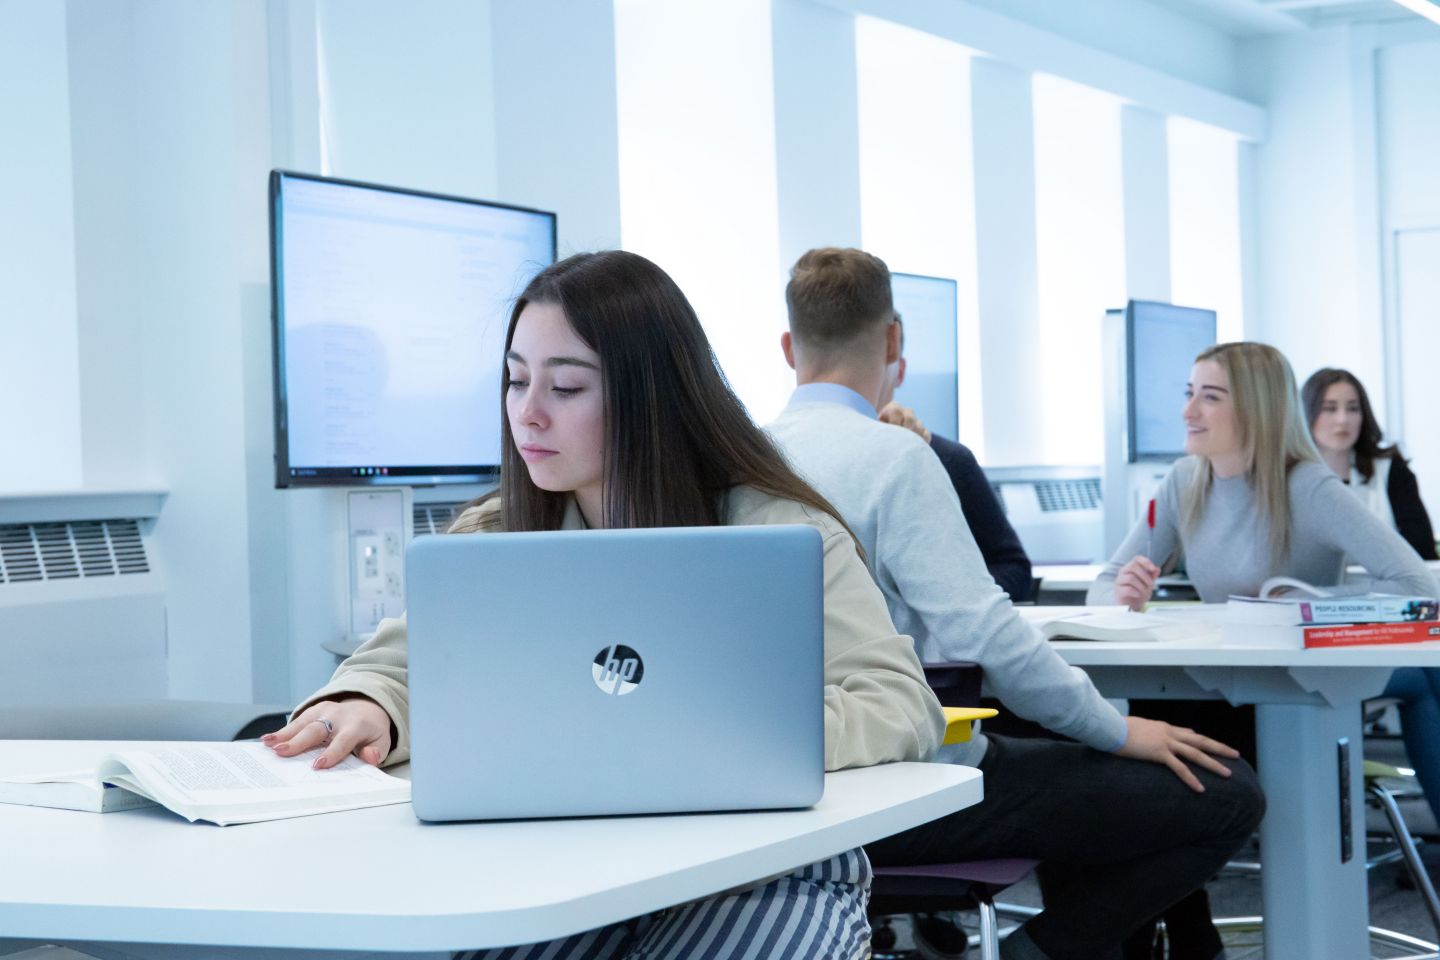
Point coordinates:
[(371, 930)]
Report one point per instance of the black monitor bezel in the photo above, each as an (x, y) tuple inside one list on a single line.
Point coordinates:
[(378, 474), (1131, 438)]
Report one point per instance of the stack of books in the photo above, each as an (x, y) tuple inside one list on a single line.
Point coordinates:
[(1318, 617)]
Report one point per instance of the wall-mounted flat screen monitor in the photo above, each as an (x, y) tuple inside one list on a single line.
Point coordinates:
[(389, 309), (927, 308), (1162, 341)]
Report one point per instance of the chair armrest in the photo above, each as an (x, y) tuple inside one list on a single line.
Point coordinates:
[(959, 722)]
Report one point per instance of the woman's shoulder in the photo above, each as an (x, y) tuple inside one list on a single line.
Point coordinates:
[(745, 505), (1182, 472), (1307, 476)]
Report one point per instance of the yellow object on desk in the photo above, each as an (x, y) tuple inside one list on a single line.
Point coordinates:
[(958, 722)]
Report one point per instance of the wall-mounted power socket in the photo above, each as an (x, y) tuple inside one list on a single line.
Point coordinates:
[(378, 528)]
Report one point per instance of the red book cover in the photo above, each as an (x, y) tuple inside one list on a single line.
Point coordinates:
[(1362, 634)]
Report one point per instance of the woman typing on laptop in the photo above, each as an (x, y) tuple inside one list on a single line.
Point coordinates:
[(616, 415)]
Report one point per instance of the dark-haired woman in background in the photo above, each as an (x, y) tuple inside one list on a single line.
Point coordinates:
[(1348, 437), (617, 415)]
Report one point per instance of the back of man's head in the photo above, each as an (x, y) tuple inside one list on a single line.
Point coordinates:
[(837, 296)]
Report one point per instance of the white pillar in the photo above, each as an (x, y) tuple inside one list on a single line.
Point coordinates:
[(817, 129), (556, 137), (40, 389), (1006, 260), (1147, 204)]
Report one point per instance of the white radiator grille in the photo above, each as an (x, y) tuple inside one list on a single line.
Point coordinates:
[(435, 517), (1057, 495), (67, 551)]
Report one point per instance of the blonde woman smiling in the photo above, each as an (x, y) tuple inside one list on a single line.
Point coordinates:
[(1251, 501)]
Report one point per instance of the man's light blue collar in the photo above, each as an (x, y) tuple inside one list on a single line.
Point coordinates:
[(831, 393)]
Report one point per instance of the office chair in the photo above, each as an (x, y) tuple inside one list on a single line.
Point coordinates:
[(1384, 786), (941, 887)]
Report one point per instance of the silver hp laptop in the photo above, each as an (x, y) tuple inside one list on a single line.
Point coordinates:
[(580, 673)]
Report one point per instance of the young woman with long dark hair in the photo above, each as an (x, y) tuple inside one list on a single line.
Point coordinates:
[(1352, 445), (617, 415)]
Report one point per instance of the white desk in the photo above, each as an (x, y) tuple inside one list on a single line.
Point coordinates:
[(379, 880), (1067, 577), (1068, 582), (1307, 702)]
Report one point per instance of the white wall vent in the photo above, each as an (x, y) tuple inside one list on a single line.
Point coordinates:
[(1058, 511), (436, 517), (62, 551), (82, 598), (1056, 495)]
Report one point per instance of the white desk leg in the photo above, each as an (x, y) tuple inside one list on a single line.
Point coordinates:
[(1315, 905)]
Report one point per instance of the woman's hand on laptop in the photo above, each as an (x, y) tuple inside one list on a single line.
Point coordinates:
[(355, 725), (1159, 742)]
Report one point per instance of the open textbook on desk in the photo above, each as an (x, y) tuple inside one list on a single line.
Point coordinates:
[(1119, 624), (223, 783)]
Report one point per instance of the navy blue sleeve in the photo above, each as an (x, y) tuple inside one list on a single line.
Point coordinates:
[(999, 544), (1410, 517)]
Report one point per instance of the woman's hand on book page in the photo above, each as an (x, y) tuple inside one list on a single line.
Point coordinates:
[(1162, 743), (355, 725), (1136, 582)]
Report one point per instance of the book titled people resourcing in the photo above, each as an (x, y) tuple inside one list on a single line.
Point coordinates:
[(222, 783), (1287, 602)]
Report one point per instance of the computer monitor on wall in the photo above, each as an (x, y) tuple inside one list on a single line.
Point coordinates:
[(1162, 341), (389, 309), (928, 309)]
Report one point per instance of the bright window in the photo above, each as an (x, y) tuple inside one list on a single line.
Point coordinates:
[(698, 188), (1080, 258), (1205, 223), (917, 176)]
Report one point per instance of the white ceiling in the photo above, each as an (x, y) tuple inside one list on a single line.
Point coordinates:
[(1247, 18)]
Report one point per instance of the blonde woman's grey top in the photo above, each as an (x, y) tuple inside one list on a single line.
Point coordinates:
[(1229, 550)]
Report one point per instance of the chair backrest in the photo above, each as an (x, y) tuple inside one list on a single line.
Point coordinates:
[(955, 684)]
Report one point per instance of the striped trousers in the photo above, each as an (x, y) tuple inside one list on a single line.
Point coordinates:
[(814, 913)]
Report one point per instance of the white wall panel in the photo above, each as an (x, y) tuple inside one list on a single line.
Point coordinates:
[(40, 389), (1418, 297), (1004, 151), (407, 94), (817, 151), (917, 176)]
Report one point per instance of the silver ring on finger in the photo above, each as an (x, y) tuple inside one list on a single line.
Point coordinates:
[(329, 727)]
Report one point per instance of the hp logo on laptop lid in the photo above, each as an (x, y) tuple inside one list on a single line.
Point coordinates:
[(617, 670)]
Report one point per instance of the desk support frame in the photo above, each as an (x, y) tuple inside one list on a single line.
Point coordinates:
[(1301, 715)]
